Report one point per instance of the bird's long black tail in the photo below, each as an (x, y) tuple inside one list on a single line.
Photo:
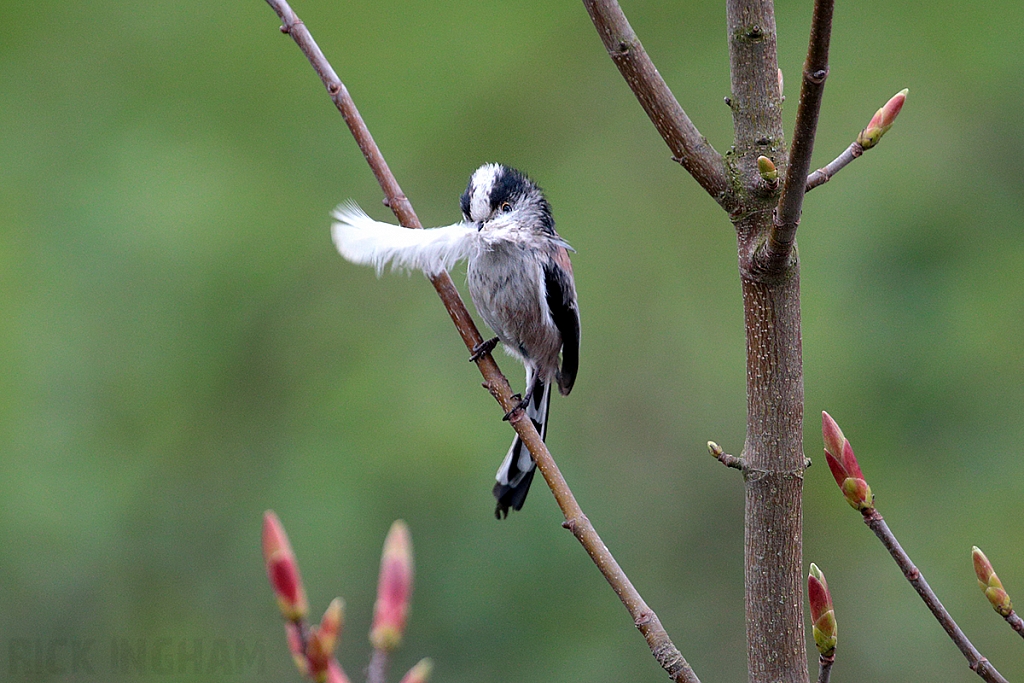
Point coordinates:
[(517, 469)]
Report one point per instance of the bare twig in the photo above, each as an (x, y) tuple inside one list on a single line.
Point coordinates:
[(825, 667), (377, 669), (1016, 623), (726, 459), (644, 618), (872, 134), (824, 174), (688, 146), (779, 246), (975, 660)]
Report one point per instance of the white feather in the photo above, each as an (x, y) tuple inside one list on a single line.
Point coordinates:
[(360, 239)]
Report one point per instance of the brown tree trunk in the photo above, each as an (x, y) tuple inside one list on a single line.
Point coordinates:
[(773, 449)]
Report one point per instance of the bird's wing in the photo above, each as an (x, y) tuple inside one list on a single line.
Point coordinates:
[(561, 298)]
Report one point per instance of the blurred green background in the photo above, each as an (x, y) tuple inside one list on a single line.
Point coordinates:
[(181, 348)]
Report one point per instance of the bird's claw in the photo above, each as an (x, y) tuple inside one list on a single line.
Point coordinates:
[(520, 404), (482, 349)]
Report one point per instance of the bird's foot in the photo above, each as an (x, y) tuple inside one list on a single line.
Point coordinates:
[(520, 405), (482, 349), (523, 401)]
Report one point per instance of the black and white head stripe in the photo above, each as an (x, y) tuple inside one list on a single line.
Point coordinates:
[(476, 200), (493, 188)]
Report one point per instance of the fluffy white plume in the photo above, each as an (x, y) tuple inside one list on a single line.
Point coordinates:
[(360, 239)]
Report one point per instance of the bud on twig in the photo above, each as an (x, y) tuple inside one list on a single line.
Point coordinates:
[(991, 584), (335, 674), (419, 673), (322, 641), (882, 121), (822, 614), (844, 466), (394, 589), (766, 167), (282, 569)]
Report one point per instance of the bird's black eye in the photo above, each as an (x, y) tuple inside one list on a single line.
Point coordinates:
[(506, 207)]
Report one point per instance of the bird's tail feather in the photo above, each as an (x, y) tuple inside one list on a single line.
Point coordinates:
[(517, 469)]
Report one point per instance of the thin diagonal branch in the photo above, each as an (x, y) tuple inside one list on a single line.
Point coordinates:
[(688, 146), (975, 660), (644, 618), (728, 460), (872, 134), (783, 233), (825, 173), (1015, 622)]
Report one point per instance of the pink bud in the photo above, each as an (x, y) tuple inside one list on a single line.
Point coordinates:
[(892, 108), (844, 466), (817, 593), (322, 641), (832, 435), (282, 569), (990, 583), (850, 461), (882, 121), (330, 625), (823, 616), (419, 673), (335, 674), (394, 589), (982, 567)]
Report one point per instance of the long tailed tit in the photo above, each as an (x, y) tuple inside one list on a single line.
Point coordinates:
[(520, 280)]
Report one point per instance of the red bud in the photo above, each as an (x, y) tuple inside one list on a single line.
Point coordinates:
[(832, 435), (823, 616), (844, 466), (322, 641), (394, 589), (282, 569), (419, 673)]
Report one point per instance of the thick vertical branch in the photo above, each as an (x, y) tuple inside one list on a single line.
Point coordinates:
[(771, 302), (756, 101), (774, 482), (771, 299)]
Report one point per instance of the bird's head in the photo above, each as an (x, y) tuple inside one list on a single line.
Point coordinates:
[(501, 199)]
